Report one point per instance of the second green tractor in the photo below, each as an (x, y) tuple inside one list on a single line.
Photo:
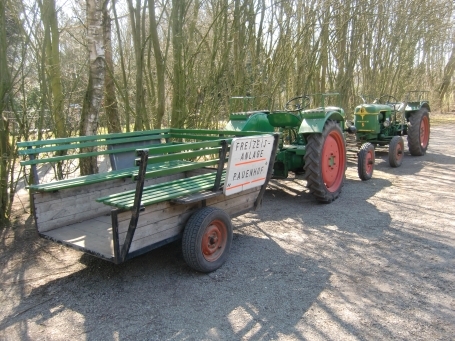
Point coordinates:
[(384, 121)]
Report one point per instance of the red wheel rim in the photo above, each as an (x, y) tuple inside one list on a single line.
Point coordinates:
[(424, 131), (369, 162), (333, 161), (214, 240), (399, 152)]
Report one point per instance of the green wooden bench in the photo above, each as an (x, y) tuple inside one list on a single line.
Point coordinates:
[(213, 148), (119, 147), (215, 153)]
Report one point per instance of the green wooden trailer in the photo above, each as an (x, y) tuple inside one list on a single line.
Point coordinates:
[(163, 185)]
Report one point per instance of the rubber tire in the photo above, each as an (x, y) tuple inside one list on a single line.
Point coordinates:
[(416, 146), (365, 162), (396, 151), (193, 235), (313, 163)]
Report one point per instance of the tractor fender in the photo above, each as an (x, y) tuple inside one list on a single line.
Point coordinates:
[(249, 121), (413, 109), (414, 106), (426, 105), (316, 125)]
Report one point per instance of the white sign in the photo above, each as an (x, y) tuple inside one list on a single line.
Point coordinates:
[(248, 163)]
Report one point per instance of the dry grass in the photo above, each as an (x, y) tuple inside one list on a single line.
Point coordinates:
[(438, 118)]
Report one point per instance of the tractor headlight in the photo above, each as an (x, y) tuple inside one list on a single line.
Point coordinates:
[(386, 123)]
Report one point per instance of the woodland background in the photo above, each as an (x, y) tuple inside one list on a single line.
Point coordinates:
[(81, 67)]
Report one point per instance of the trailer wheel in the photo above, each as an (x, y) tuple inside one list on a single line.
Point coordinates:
[(419, 132), (365, 163), (396, 151), (325, 162), (207, 239)]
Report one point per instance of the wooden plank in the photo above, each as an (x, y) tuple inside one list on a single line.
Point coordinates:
[(82, 181), (152, 217), (181, 168), (245, 197), (221, 133), (200, 171), (180, 147), (23, 144), (183, 155), (152, 229), (155, 238), (119, 184), (195, 137), (196, 197), (126, 215), (96, 239), (69, 219)]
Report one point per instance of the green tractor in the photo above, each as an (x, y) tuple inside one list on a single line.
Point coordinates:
[(384, 121), (312, 140)]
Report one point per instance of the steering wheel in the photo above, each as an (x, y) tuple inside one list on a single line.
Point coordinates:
[(297, 103), (387, 99)]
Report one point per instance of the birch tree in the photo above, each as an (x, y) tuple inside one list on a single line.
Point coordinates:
[(95, 89)]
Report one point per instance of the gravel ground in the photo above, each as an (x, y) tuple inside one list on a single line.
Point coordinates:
[(377, 264)]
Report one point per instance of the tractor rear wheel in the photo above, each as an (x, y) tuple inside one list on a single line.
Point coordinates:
[(365, 162), (396, 151), (325, 162), (207, 239), (419, 132)]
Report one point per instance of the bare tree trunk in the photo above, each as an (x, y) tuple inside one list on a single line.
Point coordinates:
[(94, 94), (124, 89), (160, 66), (5, 87), (52, 43), (178, 99), (137, 31), (110, 101), (447, 76)]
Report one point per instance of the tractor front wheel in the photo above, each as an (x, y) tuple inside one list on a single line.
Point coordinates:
[(365, 162), (396, 151), (325, 162), (419, 132), (207, 239)]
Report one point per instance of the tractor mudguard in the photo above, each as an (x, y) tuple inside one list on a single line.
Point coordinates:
[(414, 106), (316, 125), (249, 121)]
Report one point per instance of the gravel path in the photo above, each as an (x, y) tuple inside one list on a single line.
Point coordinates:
[(377, 264)]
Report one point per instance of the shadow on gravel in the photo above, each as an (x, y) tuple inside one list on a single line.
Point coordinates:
[(358, 216), (156, 297)]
